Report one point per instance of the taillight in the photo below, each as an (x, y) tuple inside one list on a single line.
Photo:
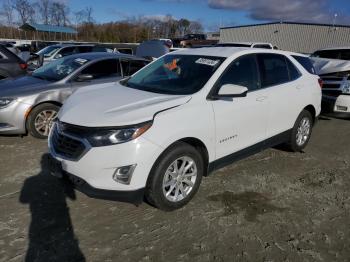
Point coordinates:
[(320, 82), (23, 66)]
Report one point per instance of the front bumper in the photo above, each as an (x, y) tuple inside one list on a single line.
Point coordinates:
[(12, 118), (97, 165), (338, 105), (136, 196)]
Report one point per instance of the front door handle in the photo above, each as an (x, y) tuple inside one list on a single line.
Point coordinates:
[(261, 98)]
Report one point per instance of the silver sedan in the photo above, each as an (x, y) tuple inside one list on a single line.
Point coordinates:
[(30, 104)]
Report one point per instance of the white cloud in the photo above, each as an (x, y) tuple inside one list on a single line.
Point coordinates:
[(318, 11)]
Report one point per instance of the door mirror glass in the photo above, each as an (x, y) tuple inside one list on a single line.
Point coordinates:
[(58, 56), (230, 90), (84, 78)]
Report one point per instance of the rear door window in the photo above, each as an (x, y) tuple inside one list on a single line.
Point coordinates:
[(273, 69), (99, 49), (125, 51), (132, 66), (293, 71), (306, 63), (84, 49), (103, 69), (66, 51), (243, 71)]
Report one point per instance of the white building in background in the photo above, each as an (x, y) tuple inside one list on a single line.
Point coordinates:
[(291, 36)]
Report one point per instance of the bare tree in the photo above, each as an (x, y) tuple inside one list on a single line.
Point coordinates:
[(88, 15), (183, 25), (59, 13), (44, 9), (195, 27), (8, 12), (25, 10)]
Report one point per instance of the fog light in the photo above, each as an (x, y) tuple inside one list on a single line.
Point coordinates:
[(342, 108), (123, 174)]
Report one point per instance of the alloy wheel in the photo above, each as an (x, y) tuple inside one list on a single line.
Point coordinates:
[(179, 179), (43, 121), (303, 132)]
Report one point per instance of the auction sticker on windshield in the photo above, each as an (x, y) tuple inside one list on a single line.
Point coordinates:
[(206, 61), (80, 61)]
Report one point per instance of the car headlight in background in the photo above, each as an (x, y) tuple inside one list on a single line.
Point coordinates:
[(106, 137), (346, 87), (4, 102)]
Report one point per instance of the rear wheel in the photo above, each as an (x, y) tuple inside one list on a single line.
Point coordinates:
[(175, 177), (40, 120), (301, 132)]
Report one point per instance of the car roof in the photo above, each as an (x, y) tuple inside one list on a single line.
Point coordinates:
[(229, 51), (100, 55), (246, 43), (71, 45)]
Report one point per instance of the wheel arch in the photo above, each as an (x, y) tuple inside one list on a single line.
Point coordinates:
[(192, 141), (26, 117), (311, 109)]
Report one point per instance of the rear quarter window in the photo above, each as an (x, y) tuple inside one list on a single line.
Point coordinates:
[(306, 63)]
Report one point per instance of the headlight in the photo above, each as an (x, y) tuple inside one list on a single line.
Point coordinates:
[(4, 102), (346, 87), (105, 137)]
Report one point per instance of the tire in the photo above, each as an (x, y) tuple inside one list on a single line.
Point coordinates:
[(301, 132), (42, 116), (161, 188)]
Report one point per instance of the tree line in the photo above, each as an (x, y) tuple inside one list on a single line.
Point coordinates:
[(14, 13)]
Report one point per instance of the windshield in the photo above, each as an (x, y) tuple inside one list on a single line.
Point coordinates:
[(176, 74), (48, 51), (59, 69)]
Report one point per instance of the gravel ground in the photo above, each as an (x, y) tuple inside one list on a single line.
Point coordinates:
[(274, 206)]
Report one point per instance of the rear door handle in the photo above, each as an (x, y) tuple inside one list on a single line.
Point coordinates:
[(261, 98)]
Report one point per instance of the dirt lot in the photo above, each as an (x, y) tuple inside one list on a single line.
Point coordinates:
[(274, 206)]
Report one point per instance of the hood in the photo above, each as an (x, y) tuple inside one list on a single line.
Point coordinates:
[(327, 66), (25, 85), (115, 105)]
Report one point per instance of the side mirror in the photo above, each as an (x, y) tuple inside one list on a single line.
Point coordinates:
[(230, 90), (58, 56), (84, 78)]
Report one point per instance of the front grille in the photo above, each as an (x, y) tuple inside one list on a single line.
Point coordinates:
[(66, 146), (331, 86), (334, 93)]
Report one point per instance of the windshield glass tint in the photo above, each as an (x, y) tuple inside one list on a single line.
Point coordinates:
[(59, 69), (176, 74), (48, 51)]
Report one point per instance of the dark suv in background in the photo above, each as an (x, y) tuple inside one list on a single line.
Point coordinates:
[(10, 64)]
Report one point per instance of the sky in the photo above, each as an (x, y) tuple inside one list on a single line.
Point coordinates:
[(219, 13)]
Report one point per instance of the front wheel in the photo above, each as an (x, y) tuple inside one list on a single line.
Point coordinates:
[(301, 132), (175, 178), (40, 120)]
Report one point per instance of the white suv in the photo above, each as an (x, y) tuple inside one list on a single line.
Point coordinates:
[(186, 114)]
